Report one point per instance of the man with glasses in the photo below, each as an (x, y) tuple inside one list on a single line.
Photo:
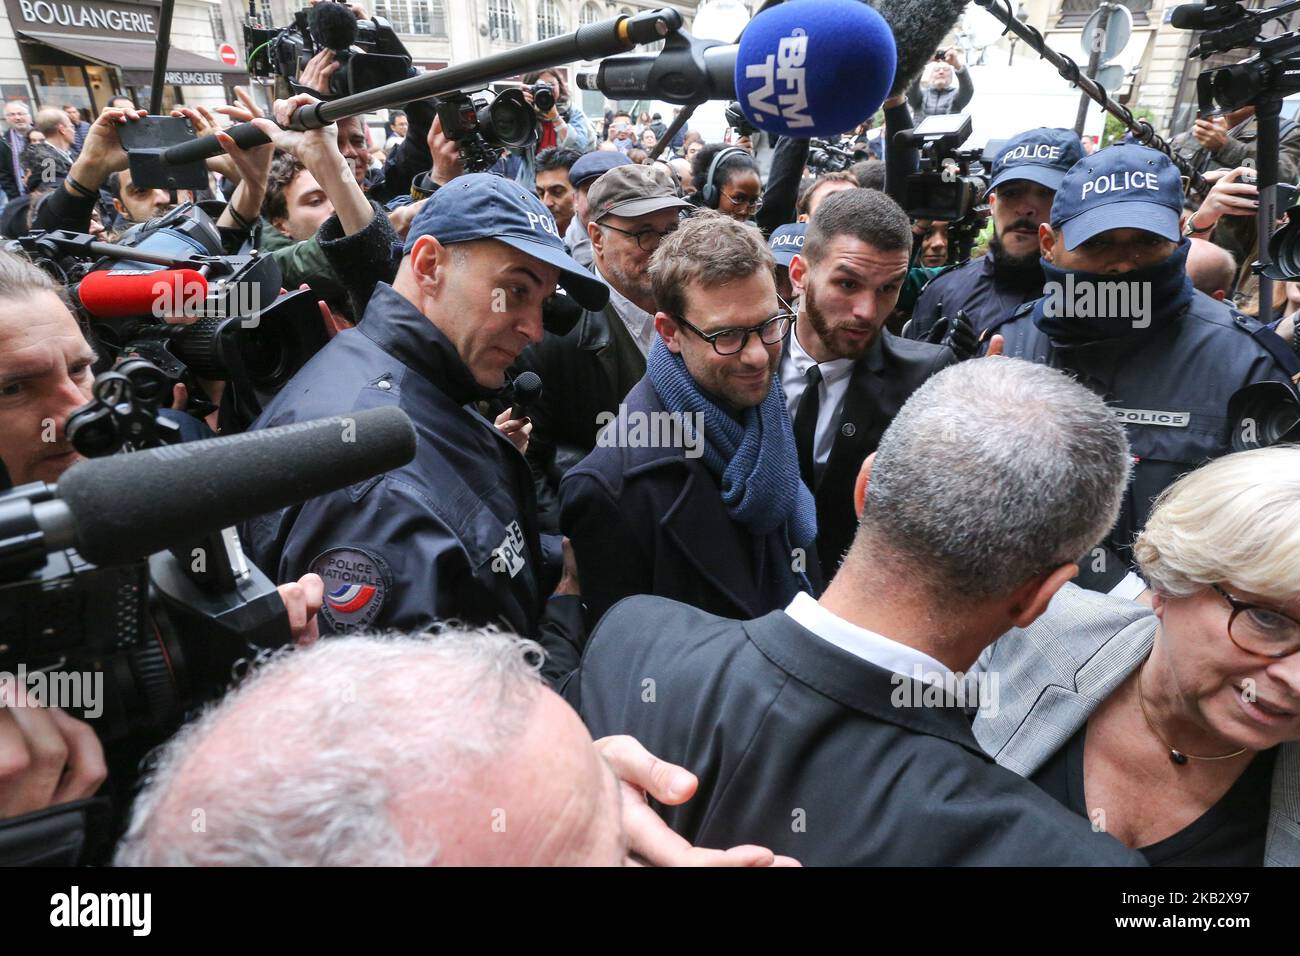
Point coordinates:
[(844, 374), (19, 121), (588, 370), (693, 490)]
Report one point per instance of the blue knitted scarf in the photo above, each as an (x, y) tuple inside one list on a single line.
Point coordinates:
[(754, 458)]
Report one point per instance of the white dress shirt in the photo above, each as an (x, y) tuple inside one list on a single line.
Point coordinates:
[(834, 386), (639, 322), (871, 647)]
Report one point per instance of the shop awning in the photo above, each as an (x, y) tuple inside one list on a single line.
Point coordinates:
[(135, 58)]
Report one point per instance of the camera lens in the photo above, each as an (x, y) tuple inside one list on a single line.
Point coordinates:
[(543, 97), (509, 120)]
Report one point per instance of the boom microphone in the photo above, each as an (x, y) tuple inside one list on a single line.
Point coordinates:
[(1189, 16), (245, 135), (108, 294), (117, 509), (333, 25), (803, 68), (919, 27)]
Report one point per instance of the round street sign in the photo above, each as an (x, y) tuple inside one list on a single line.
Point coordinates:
[(1110, 77), (1119, 27), (229, 55)]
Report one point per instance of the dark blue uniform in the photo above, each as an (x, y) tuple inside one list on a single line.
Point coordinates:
[(453, 534), (972, 286), (1170, 387)]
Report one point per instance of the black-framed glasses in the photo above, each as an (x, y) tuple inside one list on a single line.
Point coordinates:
[(647, 240), (731, 341), (1260, 630)]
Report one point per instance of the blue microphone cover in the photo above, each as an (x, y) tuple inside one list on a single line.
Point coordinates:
[(814, 67)]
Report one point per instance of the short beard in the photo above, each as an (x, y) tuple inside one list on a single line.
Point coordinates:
[(1017, 263), (808, 307), (632, 289)]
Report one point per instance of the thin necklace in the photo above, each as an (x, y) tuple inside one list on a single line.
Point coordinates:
[(1177, 756)]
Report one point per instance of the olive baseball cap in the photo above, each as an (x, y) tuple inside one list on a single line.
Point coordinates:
[(633, 190)]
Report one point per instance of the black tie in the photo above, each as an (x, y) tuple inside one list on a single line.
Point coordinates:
[(805, 424)]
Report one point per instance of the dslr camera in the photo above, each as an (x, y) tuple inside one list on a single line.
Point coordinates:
[(483, 126)]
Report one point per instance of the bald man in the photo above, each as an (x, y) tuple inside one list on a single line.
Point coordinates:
[(443, 749), (1211, 268)]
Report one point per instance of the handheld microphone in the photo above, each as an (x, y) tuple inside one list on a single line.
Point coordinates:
[(121, 294), (333, 25), (801, 68), (245, 135), (526, 390), (118, 509)]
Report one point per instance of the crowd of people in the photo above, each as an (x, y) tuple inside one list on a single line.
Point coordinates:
[(827, 540)]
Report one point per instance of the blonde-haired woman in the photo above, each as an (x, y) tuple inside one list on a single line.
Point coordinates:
[(1176, 729)]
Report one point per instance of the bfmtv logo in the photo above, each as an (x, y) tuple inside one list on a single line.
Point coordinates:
[(783, 90)]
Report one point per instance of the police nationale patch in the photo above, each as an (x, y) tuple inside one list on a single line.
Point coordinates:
[(356, 583)]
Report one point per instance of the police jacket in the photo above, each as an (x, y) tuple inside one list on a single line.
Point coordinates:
[(987, 295), (452, 534), (1169, 384)]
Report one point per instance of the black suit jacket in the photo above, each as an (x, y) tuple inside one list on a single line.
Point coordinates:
[(7, 181), (881, 382), (799, 747), (652, 521)]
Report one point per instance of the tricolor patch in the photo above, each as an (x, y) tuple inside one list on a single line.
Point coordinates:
[(356, 583), (350, 598)]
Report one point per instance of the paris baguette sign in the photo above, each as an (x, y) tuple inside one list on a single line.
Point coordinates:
[(87, 18)]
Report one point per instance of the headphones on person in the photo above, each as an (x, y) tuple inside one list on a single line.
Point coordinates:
[(711, 194)]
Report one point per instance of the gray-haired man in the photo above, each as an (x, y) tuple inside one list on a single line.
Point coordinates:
[(836, 730), (445, 749)]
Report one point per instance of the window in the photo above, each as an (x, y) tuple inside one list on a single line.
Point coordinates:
[(428, 18), (549, 21), (503, 20), (396, 12), (590, 13), (218, 24), (266, 15)]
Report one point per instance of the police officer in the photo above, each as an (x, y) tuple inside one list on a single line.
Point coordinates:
[(786, 242), (454, 533), (1026, 174), (1120, 313)]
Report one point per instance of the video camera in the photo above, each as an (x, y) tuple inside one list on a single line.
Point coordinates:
[(369, 52), (128, 574), (482, 127), (827, 157), (947, 186), (239, 329), (1260, 81)]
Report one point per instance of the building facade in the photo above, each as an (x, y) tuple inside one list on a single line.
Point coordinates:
[(439, 33), (83, 52)]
